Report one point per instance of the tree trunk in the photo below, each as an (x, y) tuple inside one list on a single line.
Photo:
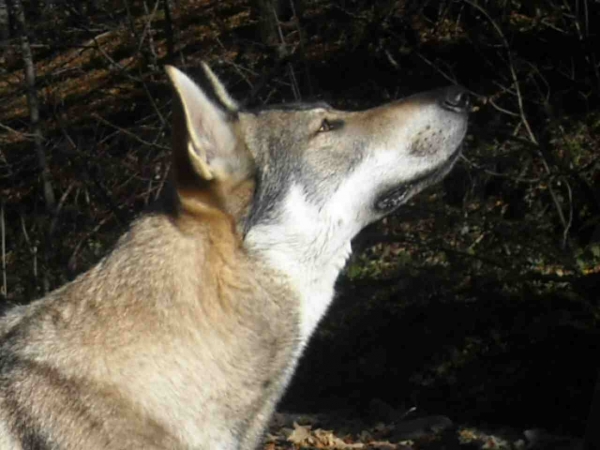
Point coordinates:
[(34, 118), (4, 21), (168, 28), (33, 103), (271, 14)]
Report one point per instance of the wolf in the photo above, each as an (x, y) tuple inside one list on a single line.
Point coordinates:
[(186, 335)]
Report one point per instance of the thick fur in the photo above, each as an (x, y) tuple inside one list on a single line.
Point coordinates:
[(187, 334)]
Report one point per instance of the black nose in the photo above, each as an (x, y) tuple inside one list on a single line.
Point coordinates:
[(456, 98)]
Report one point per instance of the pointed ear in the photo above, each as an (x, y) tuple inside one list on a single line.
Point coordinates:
[(219, 90), (204, 140)]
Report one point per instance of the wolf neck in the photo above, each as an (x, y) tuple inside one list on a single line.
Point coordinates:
[(310, 248)]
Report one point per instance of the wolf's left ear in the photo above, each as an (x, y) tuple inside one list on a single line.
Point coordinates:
[(219, 90), (204, 140)]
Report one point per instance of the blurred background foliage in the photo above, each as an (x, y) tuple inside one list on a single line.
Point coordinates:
[(479, 299)]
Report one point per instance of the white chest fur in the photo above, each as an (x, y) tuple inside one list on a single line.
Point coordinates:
[(310, 247)]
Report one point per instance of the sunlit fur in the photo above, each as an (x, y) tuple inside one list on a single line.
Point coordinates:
[(187, 333)]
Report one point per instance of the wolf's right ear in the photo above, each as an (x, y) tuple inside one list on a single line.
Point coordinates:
[(204, 140)]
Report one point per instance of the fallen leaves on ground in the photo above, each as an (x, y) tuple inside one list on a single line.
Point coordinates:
[(338, 432)]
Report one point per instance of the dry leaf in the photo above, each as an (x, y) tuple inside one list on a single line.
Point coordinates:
[(300, 435), (327, 438)]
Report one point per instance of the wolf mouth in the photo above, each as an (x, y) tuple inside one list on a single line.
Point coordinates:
[(396, 196)]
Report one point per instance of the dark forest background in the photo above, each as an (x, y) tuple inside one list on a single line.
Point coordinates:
[(478, 300)]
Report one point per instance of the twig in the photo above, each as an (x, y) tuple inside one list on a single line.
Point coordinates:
[(570, 222), (32, 248), (114, 63), (502, 110), (163, 180), (29, 136), (61, 202), (511, 66), (153, 103), (437, 69), (148, 32), (237, 67), (290, 68), (302, 47), (101, 189), (498, 174), (524, 120), (73, 257), (129, 133), (575, 19), (391, 59)]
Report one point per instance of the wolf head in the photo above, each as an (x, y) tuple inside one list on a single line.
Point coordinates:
[(300, 181)]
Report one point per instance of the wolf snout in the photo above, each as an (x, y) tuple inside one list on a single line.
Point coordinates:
[(455, 98)]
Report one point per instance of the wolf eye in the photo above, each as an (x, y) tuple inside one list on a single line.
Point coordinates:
[(325, 126)]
